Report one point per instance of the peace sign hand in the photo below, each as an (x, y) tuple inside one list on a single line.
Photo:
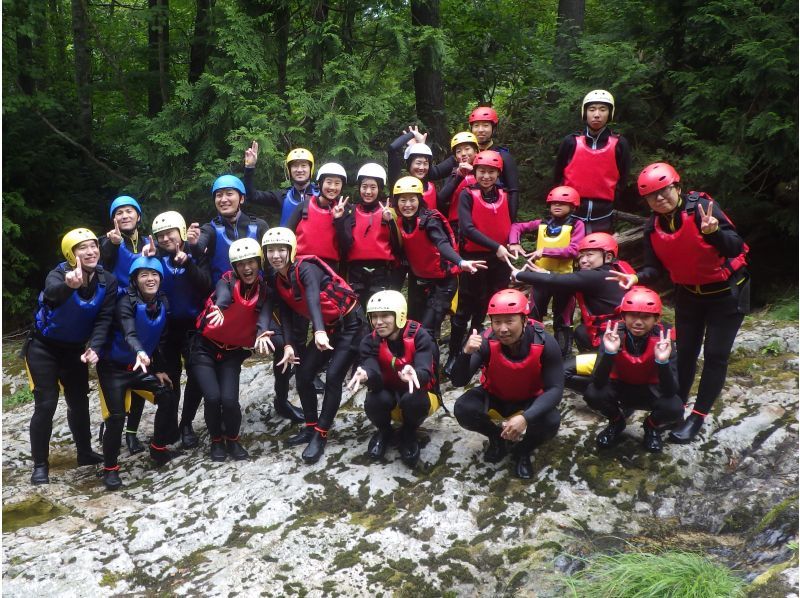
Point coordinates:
[(626, 281), (338, 208), (251, 155), (663, 348), (289, 358), (611, 340), (708, 223), (409, 374), (115, 236), (180, 258), (386, 213), (359, 377), (74, 278)]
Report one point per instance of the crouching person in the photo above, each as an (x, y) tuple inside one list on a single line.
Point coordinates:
[(636, 369), (398, 364), (138, 329), (522, 382)]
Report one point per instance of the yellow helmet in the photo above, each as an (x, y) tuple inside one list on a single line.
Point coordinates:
[(73, 238), (463, 137), (299, 153), (244, 249), (169, 220), (408, 184), (280, 235), (391, 301)]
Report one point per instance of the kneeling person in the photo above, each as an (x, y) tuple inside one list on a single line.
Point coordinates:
[(522, 382), (398, 364)]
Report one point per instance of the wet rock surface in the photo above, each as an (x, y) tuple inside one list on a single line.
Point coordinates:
[(454, 526)]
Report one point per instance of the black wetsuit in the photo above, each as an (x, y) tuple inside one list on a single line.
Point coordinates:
[(276, 199)]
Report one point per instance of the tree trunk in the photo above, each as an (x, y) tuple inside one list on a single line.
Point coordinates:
[(428, 88), (56, 18), (282, 24), (83, 69), (348, 22), (24, 44), (201, 48), (319, 13), (569, 28), (158, 56)]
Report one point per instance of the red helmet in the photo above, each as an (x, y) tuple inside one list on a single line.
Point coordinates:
[(641, 299), (564, 195), (602, 241), (508, 301), (484, 113), (488, 158), (655, 177)]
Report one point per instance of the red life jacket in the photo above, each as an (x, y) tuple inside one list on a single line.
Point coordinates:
[(492, 219), (238, 329), (429, 196), (370, 237), (423, 256), (336, 298), (315, 232), (514, 381), (390, 364), (593, 173), (452, 213), (686, 255), (595, 323), (638, 369)]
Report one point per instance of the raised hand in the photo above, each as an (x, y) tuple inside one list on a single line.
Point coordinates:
[(90, 357), (322, 341), (74, 278), (289, 358), (180, 258), (514, 427), (359, 378), (386, 211), (149, 250), (251, 155), (472, 266), (193, 233), (215, 317), (115, 235), (409, 374), (418, 137), (708, 223), (264, 344), (663, 348), (142, 361), (339, 206), (473, 343), (464, 168), (611, 340), (626, 281)]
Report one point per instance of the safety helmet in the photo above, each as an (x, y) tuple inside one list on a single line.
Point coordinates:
[(418, 149), (244, 249), (655, 177), (73, 238), (641, 299), (331, 169), (392, 301), (598, 96), (484, 113), (602, 241), (408, 184), (148, 263), (167, 220), (123, 200), (298, 153), (508, 301), (281, 235), (463, 137), (228, 181), (488, 158), (370, 170), (564, 195)]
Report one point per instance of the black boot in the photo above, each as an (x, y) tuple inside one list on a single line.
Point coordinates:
[(100, 432), (685, 432), (495, 450), (111, 478), (218, 452), (89, 457), (302, 437), (236, 450), (162, 455), (380, 440), (456, 345), (288, 411), (409, 446), (41, 474), (523, 469), (133, 443), (316, 447), (188, 437), (652, 439), (564, 338), (611, 434)]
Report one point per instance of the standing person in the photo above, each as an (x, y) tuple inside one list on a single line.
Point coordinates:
[(186, 284), (309, 287), (464, 146), (635, 369), (557, 240), (399, 360), (70, 327), (299, 170), (237, 316), (690, 238), (139, 327), (595, 162), (522, 382)]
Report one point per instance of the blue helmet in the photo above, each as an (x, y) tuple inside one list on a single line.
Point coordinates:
[(228, 181), (150, 263), (123, 200)]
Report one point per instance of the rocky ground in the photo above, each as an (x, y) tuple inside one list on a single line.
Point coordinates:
[(455, 526)]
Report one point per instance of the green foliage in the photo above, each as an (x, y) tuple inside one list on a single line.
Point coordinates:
[(663, 575), (22, 396)]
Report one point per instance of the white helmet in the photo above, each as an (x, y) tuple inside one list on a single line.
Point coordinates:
[(417, 149), (372, 171), (169, 220), (391, 301), (331, 169), (281, 235), (598, 96), (244, 249)]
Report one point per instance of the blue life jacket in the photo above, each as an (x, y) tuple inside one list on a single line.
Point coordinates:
[(293, 199), (73, 320), (185, 301), (148, 331), (220, 262), (125, 258)]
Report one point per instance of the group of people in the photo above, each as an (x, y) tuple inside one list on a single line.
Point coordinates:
[(322, 293)]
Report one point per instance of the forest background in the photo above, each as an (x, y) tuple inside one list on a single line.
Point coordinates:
[(156, 98)]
